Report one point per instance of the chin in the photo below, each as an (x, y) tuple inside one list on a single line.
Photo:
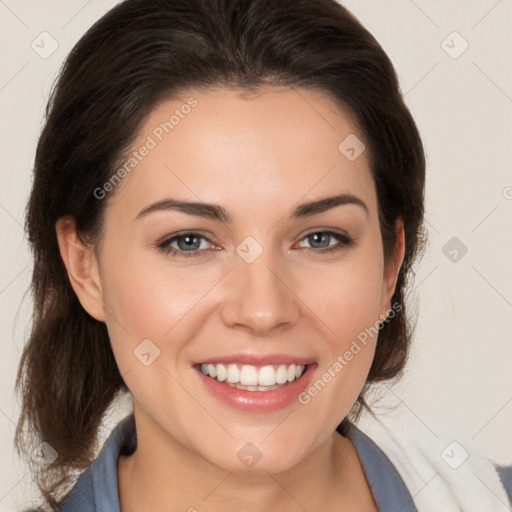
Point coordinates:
[(258, 457)]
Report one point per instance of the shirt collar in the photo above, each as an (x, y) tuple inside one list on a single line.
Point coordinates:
[(100, 479)]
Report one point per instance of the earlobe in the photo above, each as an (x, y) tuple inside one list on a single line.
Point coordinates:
[(392, 268), (81, 266)]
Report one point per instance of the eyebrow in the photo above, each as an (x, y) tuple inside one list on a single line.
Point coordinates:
[(218, 213)]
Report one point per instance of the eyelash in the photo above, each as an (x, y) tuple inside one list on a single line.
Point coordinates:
[(344, 242)]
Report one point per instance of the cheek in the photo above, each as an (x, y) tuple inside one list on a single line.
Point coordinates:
[(348, 303), (149, 313), (346, 297), (149, 300)]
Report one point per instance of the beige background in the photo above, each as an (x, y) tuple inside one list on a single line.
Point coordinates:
[(459, 377)]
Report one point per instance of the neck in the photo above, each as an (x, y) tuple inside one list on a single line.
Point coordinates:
[(162, 471)]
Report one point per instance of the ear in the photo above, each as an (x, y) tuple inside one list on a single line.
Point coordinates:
[(392, 268), (82, 267)]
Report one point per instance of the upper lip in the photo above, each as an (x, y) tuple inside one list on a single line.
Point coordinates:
[(258, 359)]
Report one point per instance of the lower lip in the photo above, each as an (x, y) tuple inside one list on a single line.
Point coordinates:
[(258, 400)]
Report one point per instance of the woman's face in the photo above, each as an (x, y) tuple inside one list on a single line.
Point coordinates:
[(253, 288)]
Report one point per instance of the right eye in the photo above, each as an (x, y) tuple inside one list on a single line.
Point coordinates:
[(188, 245)]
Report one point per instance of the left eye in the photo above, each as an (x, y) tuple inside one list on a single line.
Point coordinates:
[(317, 240), (189, 244)]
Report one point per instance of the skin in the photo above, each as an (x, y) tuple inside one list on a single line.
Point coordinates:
[(258, 156)]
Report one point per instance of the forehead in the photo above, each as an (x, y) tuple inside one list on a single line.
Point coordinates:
[(251, 151)]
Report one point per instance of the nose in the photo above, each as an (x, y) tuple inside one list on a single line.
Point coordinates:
[(261, 297)]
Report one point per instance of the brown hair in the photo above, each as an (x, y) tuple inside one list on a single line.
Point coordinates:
[(135, 56)]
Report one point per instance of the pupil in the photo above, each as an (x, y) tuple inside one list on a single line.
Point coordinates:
[(313, 239), (196, 242)]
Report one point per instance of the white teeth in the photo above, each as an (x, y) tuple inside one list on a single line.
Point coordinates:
[(221, 372), (254, 378), (281, 374), (291, 373), (233, 373), (212, 371), (249, 375), (267, 376)]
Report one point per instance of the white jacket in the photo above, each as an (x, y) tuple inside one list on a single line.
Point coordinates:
[(442, 474)]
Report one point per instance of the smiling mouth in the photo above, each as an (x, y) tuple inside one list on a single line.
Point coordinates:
[(253, 378)]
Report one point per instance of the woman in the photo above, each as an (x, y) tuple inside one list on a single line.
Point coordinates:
[(227, 201)]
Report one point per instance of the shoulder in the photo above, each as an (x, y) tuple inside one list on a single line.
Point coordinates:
[(81, 496), (505, 473), (441, 471), (387, 486), (96, 489)]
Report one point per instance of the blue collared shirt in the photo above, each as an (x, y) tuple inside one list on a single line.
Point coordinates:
[(96, 490)]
